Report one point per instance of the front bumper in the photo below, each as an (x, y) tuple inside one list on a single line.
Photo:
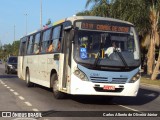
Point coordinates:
[(79, 87)]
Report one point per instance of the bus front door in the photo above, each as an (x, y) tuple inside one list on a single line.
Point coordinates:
[(20, 66), (67, 47)]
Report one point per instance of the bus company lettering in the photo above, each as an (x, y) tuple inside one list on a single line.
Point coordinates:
[(112, 28), (94, 74), (104, 27), (87, 26)]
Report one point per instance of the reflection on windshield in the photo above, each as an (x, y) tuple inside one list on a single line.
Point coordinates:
[(110, 49)]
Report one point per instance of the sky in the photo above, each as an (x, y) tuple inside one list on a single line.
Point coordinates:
[(12, 13)]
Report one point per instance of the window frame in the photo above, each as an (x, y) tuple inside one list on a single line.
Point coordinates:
[(43, 40)]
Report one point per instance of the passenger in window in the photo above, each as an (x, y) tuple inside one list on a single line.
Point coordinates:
[(36, 48), (37, 51), (50, 48), (59, 46)]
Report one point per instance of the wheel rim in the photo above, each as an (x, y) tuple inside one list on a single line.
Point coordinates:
[(55, 86), (27, 78)]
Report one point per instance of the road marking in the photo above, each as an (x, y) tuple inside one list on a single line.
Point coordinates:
[(35, 109), (128, 108), (27, 103), (11, 90), (15, 93), (20, 97)]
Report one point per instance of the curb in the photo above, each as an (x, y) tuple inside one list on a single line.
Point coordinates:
[(149, 85)]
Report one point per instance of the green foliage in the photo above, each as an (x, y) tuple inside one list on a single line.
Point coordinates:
[(99, 8), (9, 49), (134, 11), (84, 13), (102, 10)]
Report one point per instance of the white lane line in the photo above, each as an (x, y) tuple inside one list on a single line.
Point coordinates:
[(34, 109), (129, 108), (11, 90), (15, 93), (20, 97), (28, 104)]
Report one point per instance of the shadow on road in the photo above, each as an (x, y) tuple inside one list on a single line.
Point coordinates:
[(8, 76), (144, 96)]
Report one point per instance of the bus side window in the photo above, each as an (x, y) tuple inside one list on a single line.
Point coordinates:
[(36, 43), (30, 45), (56, 38), (22, 47), (45, 41)]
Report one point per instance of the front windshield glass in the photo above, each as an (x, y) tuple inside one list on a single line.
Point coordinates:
[(107, 49), (12, 60)]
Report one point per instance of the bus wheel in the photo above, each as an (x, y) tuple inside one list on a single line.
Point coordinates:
[(29, 84), (56, 92)]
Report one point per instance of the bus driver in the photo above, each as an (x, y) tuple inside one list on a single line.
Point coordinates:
[(111, 49)]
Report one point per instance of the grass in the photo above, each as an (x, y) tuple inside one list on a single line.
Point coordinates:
[(149, 81)]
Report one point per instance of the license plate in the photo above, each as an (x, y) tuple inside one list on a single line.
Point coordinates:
[(106, 87)]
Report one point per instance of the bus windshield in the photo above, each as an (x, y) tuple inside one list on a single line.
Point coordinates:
[(106, 49)]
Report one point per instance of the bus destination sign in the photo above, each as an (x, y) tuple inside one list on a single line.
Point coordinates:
[(104, 27)]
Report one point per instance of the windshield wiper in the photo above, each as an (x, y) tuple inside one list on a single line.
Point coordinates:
[(122, 58)]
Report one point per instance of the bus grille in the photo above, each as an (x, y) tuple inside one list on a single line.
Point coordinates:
[(106, 80)]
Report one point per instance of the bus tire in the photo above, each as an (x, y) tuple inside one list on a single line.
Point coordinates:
[(27, 78), (57, 94)]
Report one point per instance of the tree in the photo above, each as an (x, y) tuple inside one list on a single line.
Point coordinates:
[(84, 13), (9, 49), (15, 47), (145, 15), (99, 8)]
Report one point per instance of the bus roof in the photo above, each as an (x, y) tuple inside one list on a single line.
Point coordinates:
[(96, 18), (73, 18)]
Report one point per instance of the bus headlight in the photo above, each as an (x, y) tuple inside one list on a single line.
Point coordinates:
[(135, 77), (80, 74), (77, 72)]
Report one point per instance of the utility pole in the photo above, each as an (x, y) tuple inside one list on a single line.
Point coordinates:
[(14, 33), (41, 14), (26, 22)]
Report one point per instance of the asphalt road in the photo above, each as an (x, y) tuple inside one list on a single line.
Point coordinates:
[(16, 96)]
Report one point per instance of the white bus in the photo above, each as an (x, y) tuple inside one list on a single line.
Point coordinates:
[(79, 63)]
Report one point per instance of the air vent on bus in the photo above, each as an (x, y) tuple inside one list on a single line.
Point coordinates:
[(106, 80)]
